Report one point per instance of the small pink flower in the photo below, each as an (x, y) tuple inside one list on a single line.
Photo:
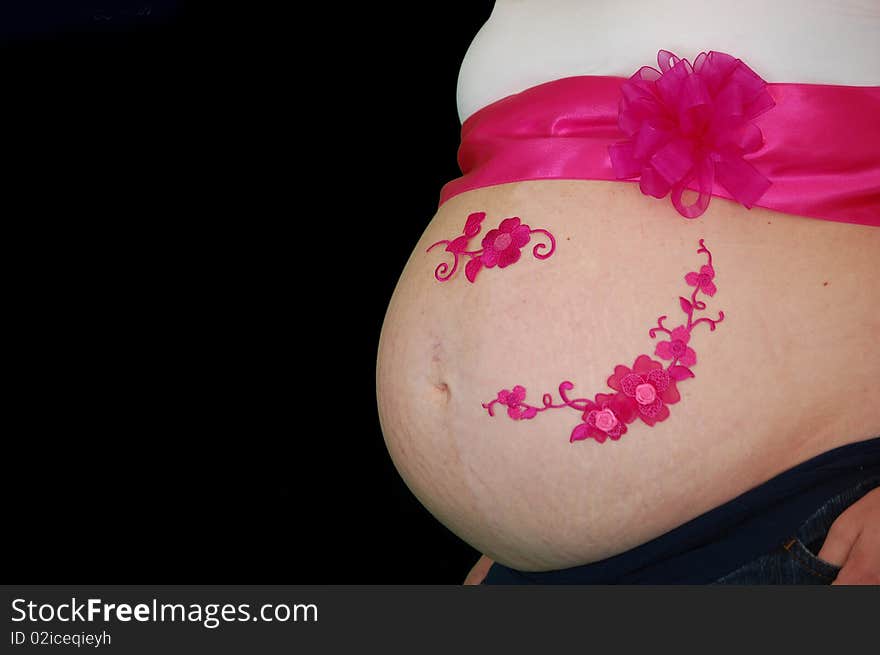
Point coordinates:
[(677, 348), (502, 245), (604, 418), (648, 388), (703, 280), (514, 401)]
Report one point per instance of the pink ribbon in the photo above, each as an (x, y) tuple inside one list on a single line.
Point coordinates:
[(820, 142), (692, 123)]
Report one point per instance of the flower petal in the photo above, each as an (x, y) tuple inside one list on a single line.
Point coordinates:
[(596, 434), (662, 350), (586, 431), (472, 226), (489, 239), (520, 236), (620, 372), (617, 431), (602, 399), (457, 245), (681, 333), (489, 257), (644, 364), (472, 268), (518, 394), (705, 269), (670, 395), (509, 256), (663, 415), (629, 383), (579, 433), (509, 224), (708, 288), (589, 406), (689, 358), (651, 410), (659, 378), (691, 278), (678, 373), (626, 409)]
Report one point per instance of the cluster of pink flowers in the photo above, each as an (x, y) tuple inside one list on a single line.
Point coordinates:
[(642, 392)]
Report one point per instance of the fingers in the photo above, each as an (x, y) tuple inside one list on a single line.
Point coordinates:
[(839, 541), (846, 528), (862, 567), (853, 542), (479, 571)]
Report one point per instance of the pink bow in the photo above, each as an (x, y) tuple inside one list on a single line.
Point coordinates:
[(692, 122)]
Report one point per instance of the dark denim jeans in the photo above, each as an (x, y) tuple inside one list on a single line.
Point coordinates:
[(795, 560)]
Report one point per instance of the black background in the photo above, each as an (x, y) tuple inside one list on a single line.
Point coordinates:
[(206, 210)]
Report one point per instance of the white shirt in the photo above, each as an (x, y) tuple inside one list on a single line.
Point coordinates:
[(528, 42)]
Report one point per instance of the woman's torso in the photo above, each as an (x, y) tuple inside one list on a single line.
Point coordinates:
[(790, 373)]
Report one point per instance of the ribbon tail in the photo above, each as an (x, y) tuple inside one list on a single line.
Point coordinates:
[(653, 184), (705, 173), (742, 180)]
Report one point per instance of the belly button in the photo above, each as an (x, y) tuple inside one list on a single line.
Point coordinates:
[(442, 390)]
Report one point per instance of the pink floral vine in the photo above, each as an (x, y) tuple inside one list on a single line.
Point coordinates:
[(644, 391), (501, 246)]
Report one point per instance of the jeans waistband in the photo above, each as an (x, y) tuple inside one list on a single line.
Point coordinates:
[(746, 527)]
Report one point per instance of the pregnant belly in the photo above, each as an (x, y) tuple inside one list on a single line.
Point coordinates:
[(789, 373)]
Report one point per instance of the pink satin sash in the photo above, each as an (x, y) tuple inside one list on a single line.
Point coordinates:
[(820, 152)]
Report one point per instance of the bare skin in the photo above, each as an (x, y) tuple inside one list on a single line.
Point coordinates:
[(789, 374)]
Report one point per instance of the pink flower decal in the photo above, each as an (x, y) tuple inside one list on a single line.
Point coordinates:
[(677, 348), (604, 418), (501, 246), (516, 409), (644, 391), (688, 123), (647, 387), (702, 280)]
